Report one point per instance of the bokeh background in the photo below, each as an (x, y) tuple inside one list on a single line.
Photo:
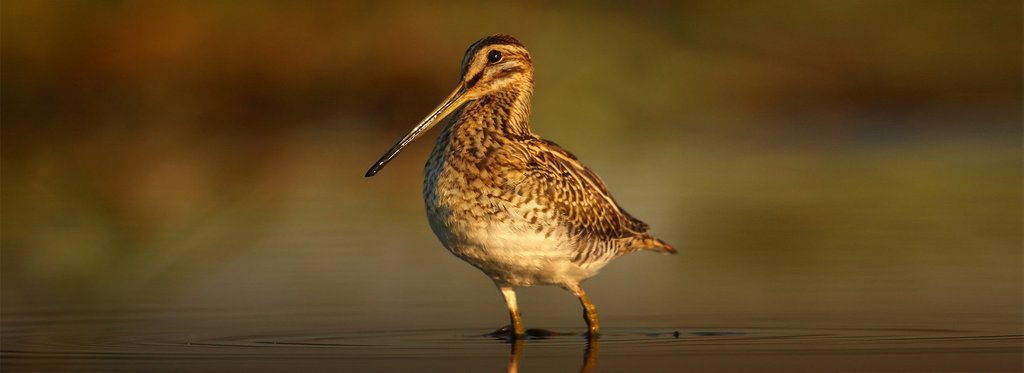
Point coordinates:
[(842, 163)]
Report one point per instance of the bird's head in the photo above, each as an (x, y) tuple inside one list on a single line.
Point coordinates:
[(492, 64)]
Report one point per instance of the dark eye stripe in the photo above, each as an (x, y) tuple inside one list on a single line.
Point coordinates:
[(476, 78)]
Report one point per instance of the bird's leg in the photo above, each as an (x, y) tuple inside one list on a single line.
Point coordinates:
[(589, 310), (513, 311)]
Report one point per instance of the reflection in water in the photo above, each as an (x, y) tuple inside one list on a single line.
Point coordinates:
[(168, 341), (515, 356), (590, 353)]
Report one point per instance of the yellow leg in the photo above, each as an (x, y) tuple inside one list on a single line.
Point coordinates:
[(513, 311), (589, 311)]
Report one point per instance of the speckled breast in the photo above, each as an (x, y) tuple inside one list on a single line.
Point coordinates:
[(478, 214)]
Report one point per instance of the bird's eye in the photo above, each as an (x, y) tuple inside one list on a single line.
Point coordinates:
[(494, 56)]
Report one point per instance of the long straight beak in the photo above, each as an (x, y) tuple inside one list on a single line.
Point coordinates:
[(452, 102)]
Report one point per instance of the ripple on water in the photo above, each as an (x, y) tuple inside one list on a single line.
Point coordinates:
[(462, 343)]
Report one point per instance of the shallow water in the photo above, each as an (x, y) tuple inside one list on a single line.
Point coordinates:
[(116, 345), (54, 339), (806, 262)]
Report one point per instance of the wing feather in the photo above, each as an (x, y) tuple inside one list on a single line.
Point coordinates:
[(576, 193)]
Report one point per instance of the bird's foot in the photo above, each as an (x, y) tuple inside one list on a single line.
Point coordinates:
[(508, 332)]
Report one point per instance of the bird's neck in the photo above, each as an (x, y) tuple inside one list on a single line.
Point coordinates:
[(505, 114)]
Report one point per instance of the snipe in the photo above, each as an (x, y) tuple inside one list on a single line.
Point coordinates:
[(520, 208)]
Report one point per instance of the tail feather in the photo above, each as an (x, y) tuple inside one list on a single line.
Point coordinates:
[(648, 242)]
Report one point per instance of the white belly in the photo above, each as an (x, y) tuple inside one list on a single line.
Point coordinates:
[(512, 252)]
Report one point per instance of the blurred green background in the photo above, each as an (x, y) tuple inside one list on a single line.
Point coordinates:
[(863, 152)]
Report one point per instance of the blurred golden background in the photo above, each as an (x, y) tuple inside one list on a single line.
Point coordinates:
[(833, 156)]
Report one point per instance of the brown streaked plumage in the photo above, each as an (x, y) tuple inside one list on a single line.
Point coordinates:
[(520, 208)]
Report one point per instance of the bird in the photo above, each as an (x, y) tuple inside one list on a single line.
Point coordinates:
[(520, 208)]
